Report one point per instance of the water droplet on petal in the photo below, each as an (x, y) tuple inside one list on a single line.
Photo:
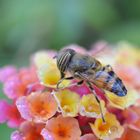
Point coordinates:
[(113, 129)]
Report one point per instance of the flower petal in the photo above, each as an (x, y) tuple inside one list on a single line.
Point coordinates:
[(130, 134), (14, 117), (90, 107), (17, 84), (65, 128), (6, 72), (48, 72), (81, 90), (16, 135), (37, 106), (43, 57), (111, 129), (13, 87), (9, 114), (4, 108), (49, 75), (68, 102), (127, 51), (23, 107), (132, 117), (28, 131), (77, 48), (123, 102), (88, 137)]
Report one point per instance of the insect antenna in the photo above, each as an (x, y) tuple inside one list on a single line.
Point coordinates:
[(97, 99)]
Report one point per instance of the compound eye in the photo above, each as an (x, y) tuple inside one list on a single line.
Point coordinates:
[(96, 65)]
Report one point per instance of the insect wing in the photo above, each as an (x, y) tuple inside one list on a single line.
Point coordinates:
[(109, 81)]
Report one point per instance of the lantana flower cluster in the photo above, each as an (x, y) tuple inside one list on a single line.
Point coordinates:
[(39, 111)]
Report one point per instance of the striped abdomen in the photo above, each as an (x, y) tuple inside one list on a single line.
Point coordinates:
[(108, 80)]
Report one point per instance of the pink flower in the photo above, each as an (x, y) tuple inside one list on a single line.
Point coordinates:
[(13, 87), (9, 114), (132, 117), (28, 131), (81, 90), (17, 85), (84, 123), (61, 128), (4, 108), (6, 72), (88, 137), (16, 135), (130, 134), (132, 79), (99, 48), (37, 106), (28, 75)]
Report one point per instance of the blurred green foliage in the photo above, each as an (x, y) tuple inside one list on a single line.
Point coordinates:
[(5, 132), (30, 25)]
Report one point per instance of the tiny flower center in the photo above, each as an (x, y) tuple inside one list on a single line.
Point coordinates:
[(39, 108), (43, 112), (61, 133), (104, 127), (90, 108), (93, 108), (67, 109)]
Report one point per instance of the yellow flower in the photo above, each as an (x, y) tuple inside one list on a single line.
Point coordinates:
[(48, 72), (68, 102), (122, 102), (111, 129), (129, 52), (89, 106), (41, 58), (49, 75)]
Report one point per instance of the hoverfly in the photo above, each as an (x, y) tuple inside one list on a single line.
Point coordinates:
[(89, 70)]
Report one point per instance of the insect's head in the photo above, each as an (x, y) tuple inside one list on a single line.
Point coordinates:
[(63, 58)]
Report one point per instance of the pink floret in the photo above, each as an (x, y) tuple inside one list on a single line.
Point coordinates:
[(23, 108), (13, 87), (16, 135), (46, 135), (9, 114), (4, 108), (6, 72)]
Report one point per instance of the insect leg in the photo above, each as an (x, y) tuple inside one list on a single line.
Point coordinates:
[(97, 99), (81, 75), (74, 84), (63, 78), (62, 75)]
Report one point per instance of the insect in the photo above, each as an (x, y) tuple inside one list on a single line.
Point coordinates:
[(89, 70)]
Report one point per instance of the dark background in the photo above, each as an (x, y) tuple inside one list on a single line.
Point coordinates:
[(30, 25)]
